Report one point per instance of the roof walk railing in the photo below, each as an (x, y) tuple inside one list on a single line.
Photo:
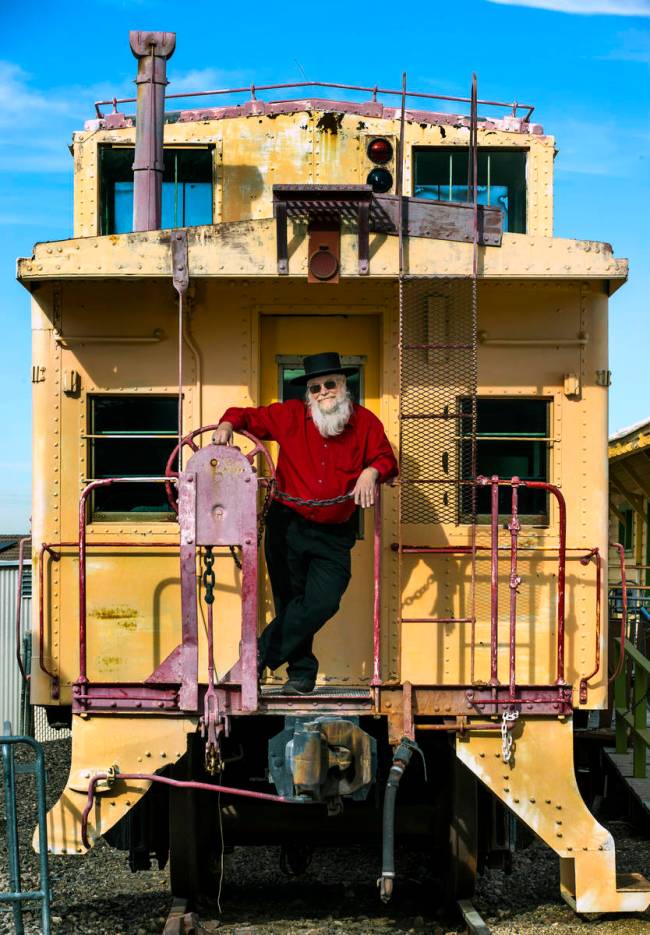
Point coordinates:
[(514, 107)]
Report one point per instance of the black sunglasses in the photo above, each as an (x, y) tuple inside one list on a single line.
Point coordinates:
[(315, 388)]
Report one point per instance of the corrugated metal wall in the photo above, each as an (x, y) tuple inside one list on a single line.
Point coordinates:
[(10, 679)]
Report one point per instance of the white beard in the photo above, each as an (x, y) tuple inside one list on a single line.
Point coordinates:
[(333, 422)]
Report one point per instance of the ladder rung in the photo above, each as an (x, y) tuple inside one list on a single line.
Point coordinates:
[(436, 620)]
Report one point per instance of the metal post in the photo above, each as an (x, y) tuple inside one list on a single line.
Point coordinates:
[(640, 709), (515, 580), (16, 896), (620, 699), (376, 608), (8, 769), (152, 49), (494, 582)]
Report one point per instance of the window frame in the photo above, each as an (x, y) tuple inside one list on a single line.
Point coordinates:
[(108, 518), (103, 226), (489, 150), (536, 520)]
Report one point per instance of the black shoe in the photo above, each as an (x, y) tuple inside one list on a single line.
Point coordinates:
[(298, 687)]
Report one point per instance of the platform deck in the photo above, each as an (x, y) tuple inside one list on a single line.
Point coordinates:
[(640, 788)]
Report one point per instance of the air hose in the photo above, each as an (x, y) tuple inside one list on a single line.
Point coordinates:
[(401, 760)]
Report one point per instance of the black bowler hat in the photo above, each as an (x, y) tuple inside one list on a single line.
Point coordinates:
[(318, 365)]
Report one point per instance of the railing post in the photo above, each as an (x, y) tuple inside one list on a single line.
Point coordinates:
[(640, 703), (376, 605), (494, 581), (620, 699)]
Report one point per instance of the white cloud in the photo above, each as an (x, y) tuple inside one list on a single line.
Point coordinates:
[(633, 46), (203, 79), (586, 7), (36, 126)]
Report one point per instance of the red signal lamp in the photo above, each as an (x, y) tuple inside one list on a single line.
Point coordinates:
[(380, 151)]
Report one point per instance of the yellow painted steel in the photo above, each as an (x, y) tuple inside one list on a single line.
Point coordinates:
[(104, 310), (539, 786), (127, 744), (343, 648)]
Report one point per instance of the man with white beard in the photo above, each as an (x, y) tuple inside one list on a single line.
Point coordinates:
[(329, 447)]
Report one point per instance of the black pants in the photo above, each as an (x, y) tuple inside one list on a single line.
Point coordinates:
[(309, 568)]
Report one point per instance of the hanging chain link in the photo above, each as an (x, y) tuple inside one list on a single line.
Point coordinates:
[(507, 742), (331, 502), (271, 492), (209, 579)]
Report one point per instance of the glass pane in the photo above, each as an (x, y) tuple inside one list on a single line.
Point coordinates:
[(133, 415), (186, 191), (441, 174), (197, 204), (131, 498), (506, 446), (131, 457), (122, 208)]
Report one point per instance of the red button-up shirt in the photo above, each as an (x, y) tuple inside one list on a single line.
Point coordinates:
[(313, 467)]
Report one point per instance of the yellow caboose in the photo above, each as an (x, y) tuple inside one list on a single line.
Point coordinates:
[(213, 249)]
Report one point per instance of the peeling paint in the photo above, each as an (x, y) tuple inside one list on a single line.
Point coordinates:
[(114, 613)]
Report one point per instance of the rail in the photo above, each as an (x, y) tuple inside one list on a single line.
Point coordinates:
[(514, 528), (253, 89), (16, 895), (631, 700), (128, 695)]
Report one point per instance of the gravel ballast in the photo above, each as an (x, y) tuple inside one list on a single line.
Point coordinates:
[(98, 894)]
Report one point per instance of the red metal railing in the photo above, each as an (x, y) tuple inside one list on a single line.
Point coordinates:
[(93, 485), (130, 692), (175, 784), (19, 605), (374, 90), (621, 655), (595, 554), (514, 527), (376, 606)]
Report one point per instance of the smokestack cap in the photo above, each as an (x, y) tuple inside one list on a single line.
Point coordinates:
[(163, 43)]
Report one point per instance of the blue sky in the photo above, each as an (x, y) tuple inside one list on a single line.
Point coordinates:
[(585, 64)]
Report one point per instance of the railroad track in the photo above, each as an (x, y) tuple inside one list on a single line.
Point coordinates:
[(474, 923), (182, 921)]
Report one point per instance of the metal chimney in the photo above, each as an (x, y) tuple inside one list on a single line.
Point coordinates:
[(152, 49)]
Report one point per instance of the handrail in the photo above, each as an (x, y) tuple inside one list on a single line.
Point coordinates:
[(619, 665), (632, 712), (19, 604), (88, 489), (516, 483), (252, 89)]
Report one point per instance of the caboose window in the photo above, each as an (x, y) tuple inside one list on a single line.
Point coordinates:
[(512, 439), (131, 436), (440, 173), (186, 190)]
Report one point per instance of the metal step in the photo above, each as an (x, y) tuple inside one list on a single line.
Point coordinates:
[(320, 693)]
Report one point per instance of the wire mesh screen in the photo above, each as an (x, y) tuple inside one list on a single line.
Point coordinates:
[(438, 399)]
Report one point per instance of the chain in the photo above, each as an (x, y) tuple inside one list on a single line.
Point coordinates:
[(331, 502), (507, 743), (271, 492), (209, 579)]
